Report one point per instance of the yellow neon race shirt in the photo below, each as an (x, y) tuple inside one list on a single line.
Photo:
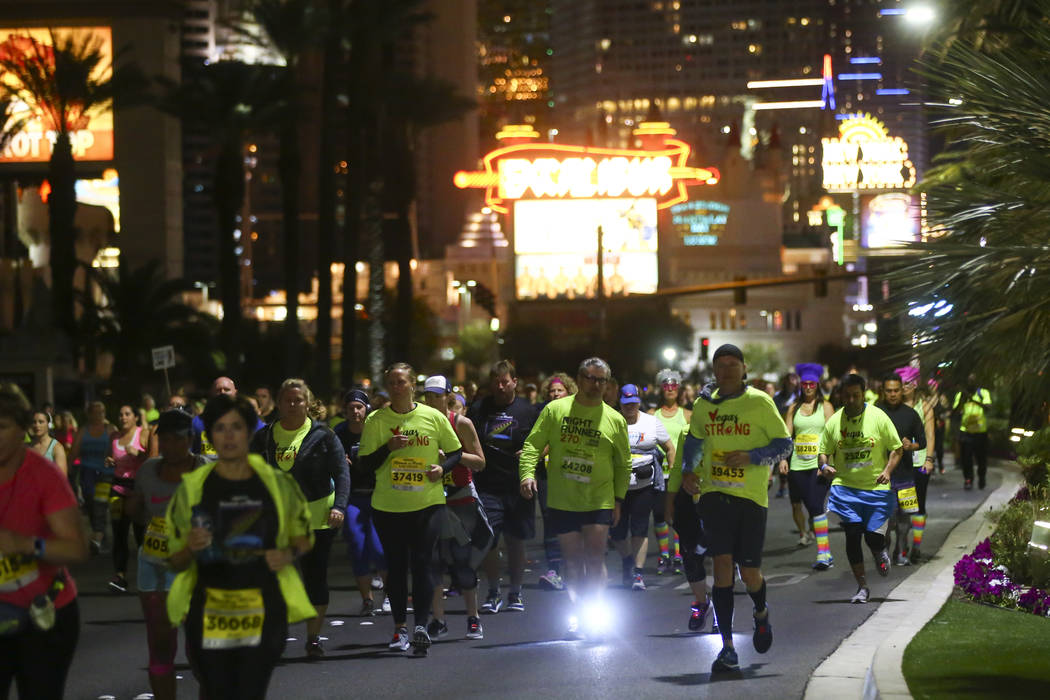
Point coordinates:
[(858, 448)]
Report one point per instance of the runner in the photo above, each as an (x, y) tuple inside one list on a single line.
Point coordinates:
[(91, 447), (735, 437), (40, 533), (222, 386), (681, 509), (646, 435), (557, 386), (464, 557), (267, 407), (805, 420), (235, 528), (359, 530), (923, 403), (589, 467), (859, 449), (409, 500), (127, 453), (970, 406), (155, 483), (675, 419), (903, 484), (306, 448), (503, 420), (41, 442)]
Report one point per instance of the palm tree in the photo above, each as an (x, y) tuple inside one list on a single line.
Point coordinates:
[(977, 295), (65, 84)]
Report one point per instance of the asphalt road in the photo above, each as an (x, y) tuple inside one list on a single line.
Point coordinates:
[(648, 653)]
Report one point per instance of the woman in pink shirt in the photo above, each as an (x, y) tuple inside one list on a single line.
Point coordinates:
[(127, 454)]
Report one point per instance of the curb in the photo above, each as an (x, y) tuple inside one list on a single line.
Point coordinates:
[(854, 670)]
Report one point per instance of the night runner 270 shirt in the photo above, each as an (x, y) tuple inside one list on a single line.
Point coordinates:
[(744, 422), (858, 448), (402, 485), (589, 463)]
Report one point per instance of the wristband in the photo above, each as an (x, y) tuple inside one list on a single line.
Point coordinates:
[(39, 546)]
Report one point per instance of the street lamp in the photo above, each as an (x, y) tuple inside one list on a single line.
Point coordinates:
[(920, 14), (670, 354)]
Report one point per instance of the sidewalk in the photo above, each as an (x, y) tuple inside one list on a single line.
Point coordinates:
[(868, 663)]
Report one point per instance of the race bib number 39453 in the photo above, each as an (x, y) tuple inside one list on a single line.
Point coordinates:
[(232, 618), (724, 476)]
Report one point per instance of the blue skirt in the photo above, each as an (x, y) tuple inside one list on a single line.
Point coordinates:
[(870, 508)]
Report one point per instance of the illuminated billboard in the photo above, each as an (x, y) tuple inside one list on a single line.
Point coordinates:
[(92, 130), (556, 247), (889, 220), (866, 157), (699, 222)]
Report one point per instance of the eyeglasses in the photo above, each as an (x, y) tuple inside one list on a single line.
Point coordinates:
[(596, 380), (809, 384), (670, 385)]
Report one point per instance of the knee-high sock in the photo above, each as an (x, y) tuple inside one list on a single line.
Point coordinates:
[(663, 536), (677, 549), (723, 601), (918, 527), (820, 529)]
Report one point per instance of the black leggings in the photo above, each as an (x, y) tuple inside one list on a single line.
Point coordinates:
[(922, 484), (314, 567), (39, 661), (973, 446), (410, 538), (690, 534), (938, 445), (121, 551), (854, 533)]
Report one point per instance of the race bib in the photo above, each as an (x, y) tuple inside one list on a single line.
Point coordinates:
[(102, 489), (857, 457), (155, 541), (577, 469), (806, 446), (16, 571), (408, 473), (724, 476), (908, 500), (232, 618)]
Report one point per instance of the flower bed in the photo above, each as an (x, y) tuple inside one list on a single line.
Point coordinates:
[(980, 578)]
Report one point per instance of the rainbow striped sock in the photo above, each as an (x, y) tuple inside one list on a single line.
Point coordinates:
[(677, 549), (918, 527), (663, 536), (820, 529)]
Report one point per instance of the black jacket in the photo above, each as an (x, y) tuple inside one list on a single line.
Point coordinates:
[(320, 465)]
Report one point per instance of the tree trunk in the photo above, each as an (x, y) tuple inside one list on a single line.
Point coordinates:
[(290, 165), (372, 222), (229, 197), (62, 208), (326, 217), (403, 315)]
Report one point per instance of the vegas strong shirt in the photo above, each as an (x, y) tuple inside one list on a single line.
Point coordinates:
[(744, 422), (402, 485), (858, 448), (589, 463)]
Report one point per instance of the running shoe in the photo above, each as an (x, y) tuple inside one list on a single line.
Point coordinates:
[(386, 605), (882, 562), (698, 615), (902, 559), (678, 566), (377, 583), (763, 637), (368, 608), (437, 629), (806, 539), (420, 641), (638, 584), (515, 603), (493, 604), (118, 584), (916, 556), (662, 565), (552, 581), (726, 662), (474, 629), (400, 640), (861, 596), (968, 485), (314, 649), (824, 564)]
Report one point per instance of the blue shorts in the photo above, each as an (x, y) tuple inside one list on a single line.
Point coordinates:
[(153, 577), (872, 509)]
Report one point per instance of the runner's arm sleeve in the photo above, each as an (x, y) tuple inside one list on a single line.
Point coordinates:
[(451, 460), (532, 450), (778, 449), (374, 460), (692, 452)]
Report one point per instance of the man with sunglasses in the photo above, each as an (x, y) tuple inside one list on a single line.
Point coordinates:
[(588, 467)]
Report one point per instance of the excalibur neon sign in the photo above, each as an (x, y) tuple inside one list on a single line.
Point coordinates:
[(531, 170)]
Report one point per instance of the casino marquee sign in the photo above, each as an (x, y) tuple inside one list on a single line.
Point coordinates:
[(528, 169)]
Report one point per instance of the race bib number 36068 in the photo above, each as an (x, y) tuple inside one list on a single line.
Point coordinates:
[(232, 618)]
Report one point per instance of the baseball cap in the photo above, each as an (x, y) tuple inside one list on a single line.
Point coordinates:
[(437, 384), (175, 422), (629, 394), (730, 350)]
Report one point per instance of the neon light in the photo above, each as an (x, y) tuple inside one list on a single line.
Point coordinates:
[(827, 67), (798, 104), (865, 157), (893, 91), (851, 115), (892, 11), (860, 76), (517, 131), (798, 82), (865, 59), (555, 171), (827, 95)]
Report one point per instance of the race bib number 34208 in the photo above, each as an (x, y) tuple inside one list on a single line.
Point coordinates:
[(577, 469)]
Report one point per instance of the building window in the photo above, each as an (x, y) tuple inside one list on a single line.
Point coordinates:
[(732, 319), (714, 321), (778, 321), (798, 320)]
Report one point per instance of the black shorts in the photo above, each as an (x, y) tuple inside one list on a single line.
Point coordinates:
[(635, 513), (806, 486), (510, 514), (687, 523), (562, 522), (734, 525)]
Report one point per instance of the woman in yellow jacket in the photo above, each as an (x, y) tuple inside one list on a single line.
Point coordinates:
[(236, 526)]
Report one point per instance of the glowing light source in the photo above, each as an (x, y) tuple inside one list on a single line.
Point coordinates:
[(866, 157), (794, 82), (860, 76), (796, 104)]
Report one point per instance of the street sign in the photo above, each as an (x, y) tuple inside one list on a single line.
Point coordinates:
[(164, 357)]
